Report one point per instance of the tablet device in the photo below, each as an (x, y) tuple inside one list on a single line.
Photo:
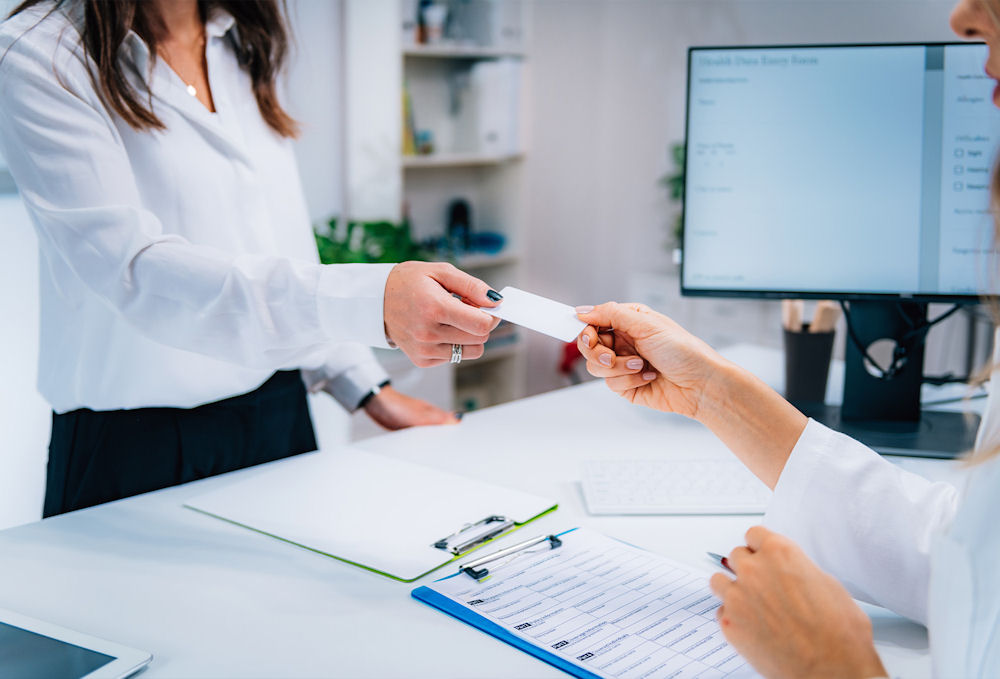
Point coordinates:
[(32, 649)]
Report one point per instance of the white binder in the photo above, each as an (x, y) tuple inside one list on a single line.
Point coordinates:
[(396, 518)]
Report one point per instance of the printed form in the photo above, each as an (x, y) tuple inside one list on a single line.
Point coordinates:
[(610, 608)]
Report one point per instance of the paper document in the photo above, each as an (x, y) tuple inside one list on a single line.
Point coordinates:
[(538, 313), (597, 607)]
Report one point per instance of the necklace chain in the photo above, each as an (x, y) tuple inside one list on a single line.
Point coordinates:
[(191, 89)]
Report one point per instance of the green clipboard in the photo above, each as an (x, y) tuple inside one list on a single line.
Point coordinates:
[(393, 517)]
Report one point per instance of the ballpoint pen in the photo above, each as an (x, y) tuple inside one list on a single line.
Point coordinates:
[(721, 560)]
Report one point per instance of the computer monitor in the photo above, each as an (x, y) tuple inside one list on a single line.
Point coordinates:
[(850, 172)]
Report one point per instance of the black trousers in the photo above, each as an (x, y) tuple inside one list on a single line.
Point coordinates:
[(100, 456)]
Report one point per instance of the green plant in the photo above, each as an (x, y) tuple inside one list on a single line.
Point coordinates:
[(376, 242), (675, 184)]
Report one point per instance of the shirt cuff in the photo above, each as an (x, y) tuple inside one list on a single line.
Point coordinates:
[(350, 302), (351, 386), (783, 511)]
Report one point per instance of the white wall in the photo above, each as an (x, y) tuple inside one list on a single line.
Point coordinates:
[(25, 417), (314, 98), (607, 103)]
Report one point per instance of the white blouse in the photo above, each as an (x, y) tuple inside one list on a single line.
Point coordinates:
[(893, 538), (177, 267)]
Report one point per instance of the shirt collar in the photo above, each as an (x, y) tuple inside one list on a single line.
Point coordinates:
[(220, 23), (217, 26)]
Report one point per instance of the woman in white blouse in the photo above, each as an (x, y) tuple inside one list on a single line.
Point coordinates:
[(890, 537), (181, 291)]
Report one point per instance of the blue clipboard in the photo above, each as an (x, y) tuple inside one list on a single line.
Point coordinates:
[(446, 605), (470, 617)]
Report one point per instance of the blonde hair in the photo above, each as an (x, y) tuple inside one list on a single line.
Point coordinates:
[(992, 448), (992, 8)]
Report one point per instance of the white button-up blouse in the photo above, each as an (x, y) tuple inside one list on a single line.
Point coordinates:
[(178, 266)]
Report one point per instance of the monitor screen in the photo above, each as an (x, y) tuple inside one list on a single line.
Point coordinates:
[(840, 171)]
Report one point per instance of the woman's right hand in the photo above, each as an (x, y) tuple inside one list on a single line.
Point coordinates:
[(647, 358), (424, 318)]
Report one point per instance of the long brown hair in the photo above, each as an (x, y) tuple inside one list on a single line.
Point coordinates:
[(261, 49)]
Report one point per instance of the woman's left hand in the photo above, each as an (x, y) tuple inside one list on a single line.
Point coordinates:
[(790, 619), (394, 410)]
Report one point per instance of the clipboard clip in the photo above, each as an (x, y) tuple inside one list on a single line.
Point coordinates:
[(475, 570), (472, 534)]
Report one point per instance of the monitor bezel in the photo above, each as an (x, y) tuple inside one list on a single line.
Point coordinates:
[(802, 294)]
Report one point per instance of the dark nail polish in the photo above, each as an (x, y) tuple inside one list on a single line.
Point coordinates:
[(494, 295), (459, 415)]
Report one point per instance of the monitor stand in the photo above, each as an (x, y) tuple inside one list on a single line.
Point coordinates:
[(885, 414)]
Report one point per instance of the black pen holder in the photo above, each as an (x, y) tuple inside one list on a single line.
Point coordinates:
[(807, 364)]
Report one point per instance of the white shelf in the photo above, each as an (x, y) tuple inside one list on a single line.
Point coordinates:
[(484, 261), (494, 354), (460, 52), (443, 160)]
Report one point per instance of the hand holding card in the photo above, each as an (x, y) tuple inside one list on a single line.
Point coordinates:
[(538, 313)]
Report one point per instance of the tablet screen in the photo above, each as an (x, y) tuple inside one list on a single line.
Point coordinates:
[(28, 655)]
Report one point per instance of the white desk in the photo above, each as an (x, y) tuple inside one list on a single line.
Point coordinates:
[(211, 599)]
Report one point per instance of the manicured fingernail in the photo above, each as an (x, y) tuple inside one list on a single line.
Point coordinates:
[(634, 363), (586, 340), (649, 377), (605, 359), (586, 309), (494, 295), (459, 415)]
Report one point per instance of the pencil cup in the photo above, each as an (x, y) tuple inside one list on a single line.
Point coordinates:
[(807, 364)]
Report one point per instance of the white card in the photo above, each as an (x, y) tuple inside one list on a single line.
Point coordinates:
[(539, 314)]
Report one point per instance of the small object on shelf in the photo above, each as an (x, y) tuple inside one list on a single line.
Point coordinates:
[(459, 225), (493, 101), (410, 22), (409, 128), (434, 17), (486, 244), (504, 335), (421, 27), (424, 142)]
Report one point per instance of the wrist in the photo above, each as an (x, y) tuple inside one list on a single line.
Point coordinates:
[(872, 667), (751, 419), (370, 397), (722, 381)]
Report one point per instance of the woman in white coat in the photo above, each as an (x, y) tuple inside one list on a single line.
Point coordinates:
[(182, 300), (843, 521)]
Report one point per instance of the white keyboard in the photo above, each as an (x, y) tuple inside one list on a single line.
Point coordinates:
[(672, 486)]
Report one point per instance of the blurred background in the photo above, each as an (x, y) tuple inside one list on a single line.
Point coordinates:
[(531, 143)]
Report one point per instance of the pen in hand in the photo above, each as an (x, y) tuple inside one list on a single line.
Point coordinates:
[(721, 560)]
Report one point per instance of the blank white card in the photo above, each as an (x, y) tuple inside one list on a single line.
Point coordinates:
[(538, 313)]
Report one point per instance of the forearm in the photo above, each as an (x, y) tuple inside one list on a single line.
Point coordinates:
[(752, 419)]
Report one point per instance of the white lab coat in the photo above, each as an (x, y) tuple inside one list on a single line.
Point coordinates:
[(178, 266), (924, 550)]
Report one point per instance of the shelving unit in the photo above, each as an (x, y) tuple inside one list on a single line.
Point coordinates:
[(456, 91), (457, 160), (482, 262), (440, 80), (459, 52)]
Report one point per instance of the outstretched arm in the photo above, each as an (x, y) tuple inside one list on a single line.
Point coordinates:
[(652, 361)]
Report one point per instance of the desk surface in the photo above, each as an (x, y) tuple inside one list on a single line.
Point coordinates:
[(211, 599)]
